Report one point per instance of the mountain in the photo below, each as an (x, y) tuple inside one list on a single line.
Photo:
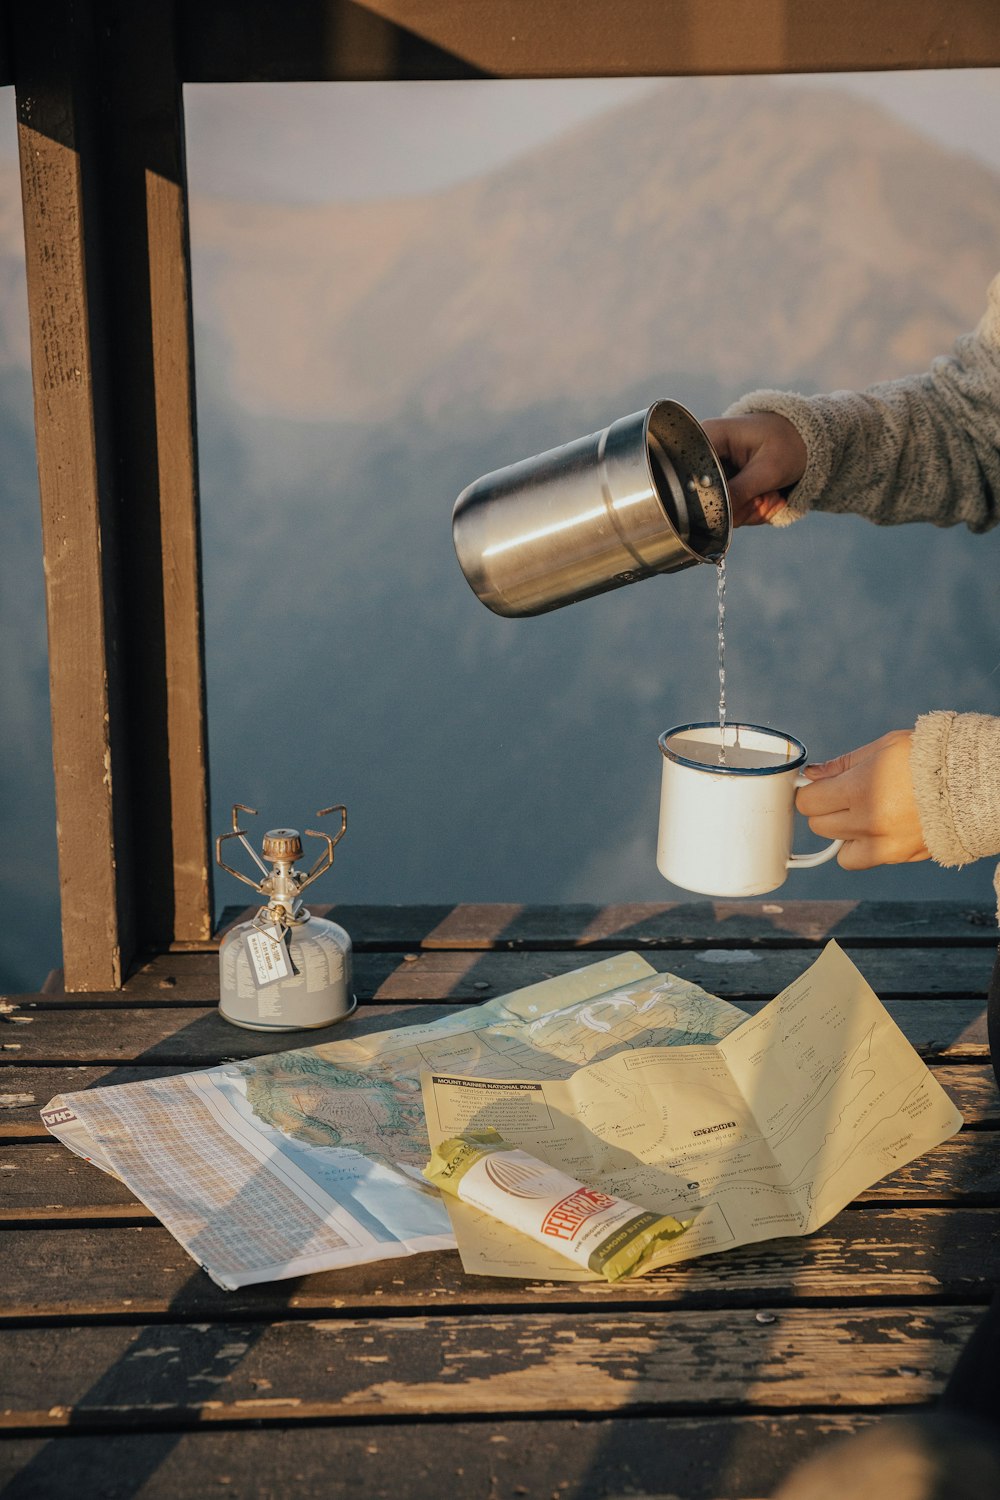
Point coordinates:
[(723, 225), (366, 361)]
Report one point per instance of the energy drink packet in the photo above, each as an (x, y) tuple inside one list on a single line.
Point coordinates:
[(607, 1235)]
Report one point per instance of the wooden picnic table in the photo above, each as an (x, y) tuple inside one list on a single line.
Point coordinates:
[(126, 1371)]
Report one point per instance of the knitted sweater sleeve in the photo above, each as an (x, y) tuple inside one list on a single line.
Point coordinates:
[(925, 448), (955, 764)]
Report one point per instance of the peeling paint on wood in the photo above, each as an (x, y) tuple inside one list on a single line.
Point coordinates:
[(481, 1365)]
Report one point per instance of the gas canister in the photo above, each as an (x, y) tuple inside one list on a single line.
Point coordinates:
[(284, 969)]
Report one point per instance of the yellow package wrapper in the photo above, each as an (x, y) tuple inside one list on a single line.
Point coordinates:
[(605, 1235)]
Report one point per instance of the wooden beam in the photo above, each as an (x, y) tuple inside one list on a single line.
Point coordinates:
[(273, 40), (145, 223), (101, 144), (229, 41)]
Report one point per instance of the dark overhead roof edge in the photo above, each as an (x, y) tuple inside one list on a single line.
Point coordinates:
[(244, 41), (303, 41), (336, 40), (6, 51)]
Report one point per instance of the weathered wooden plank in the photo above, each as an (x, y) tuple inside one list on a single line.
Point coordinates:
[(378, 39), (885, 1254), (964, 1170), (47, 1183), (50, 1183), (57, 131), (701, 1458), (478, 1365), (670, 924), (182, 1038), (191, 1037), (730, 972), (109, 303), (25, 1090), (472, 975)]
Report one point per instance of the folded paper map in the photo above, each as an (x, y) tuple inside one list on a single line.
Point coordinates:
[(768, 1132), (310, 1159)]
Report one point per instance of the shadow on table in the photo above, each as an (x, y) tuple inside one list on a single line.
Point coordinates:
[(152, 1373)]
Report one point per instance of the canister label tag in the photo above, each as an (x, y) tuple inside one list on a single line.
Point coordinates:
[(268, 955)]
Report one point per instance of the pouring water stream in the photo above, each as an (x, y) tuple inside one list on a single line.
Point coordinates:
[(721, 589)]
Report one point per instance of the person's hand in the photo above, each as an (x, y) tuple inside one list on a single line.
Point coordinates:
[(866, 798), (763, 454)]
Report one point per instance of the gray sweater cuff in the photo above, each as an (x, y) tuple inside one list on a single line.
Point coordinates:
[(955, 763)]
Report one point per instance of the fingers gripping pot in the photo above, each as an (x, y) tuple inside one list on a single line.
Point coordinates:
[(285, 969), (645, 495)]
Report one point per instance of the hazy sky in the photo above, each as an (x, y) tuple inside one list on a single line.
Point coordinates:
[(317, 141), (355, 140)]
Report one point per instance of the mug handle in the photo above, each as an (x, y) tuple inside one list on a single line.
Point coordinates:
[(809, 861)]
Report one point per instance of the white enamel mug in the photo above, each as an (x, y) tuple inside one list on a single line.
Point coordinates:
[(726, 827)]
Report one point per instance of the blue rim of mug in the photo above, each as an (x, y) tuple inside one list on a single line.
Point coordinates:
[(724, 770)]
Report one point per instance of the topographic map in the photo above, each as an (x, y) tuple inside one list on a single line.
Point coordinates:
[(365, 1094), (769, 1131), (310, 1159)]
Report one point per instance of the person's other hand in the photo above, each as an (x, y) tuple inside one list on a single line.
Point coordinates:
[(866, 799), (764, 455)]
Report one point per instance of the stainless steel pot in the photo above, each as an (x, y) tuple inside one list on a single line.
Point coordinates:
[(645, 495)]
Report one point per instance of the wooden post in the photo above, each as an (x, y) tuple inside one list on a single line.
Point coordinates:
[(108, 266)]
